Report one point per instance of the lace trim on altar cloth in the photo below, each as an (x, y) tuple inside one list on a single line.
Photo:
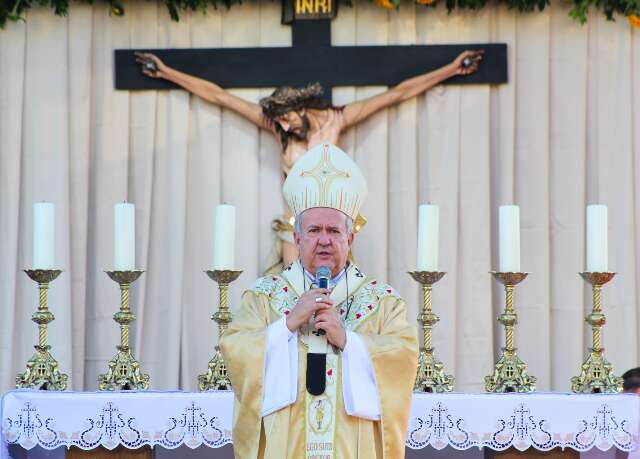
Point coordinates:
[(461, 421), (112, 426), (521, 429)]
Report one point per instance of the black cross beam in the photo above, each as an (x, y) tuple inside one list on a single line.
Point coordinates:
[(311, 59)]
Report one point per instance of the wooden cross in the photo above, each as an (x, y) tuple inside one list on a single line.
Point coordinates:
[(311, 59)]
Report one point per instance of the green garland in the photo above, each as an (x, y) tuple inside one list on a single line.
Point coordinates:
[(14, 10)]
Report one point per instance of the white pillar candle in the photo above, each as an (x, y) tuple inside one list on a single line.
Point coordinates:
[(43, 235), (509, 237), (224, 238), (428, 227), (597, 239), (124, 254)]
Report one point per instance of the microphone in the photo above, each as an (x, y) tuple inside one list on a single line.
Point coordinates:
[(323, 274)]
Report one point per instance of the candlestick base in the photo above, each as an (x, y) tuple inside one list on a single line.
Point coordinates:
[(216, 377), (510, 375), (431, 375), (42, 369), (510, 372), (596, 375), (42, 372), (123, 370), (123, 373)]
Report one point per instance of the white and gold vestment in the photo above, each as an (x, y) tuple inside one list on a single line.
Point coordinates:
[(377, 318)]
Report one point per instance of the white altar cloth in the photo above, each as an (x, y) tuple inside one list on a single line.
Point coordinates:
[(171, 419)]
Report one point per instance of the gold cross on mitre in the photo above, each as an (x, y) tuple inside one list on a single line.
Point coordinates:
[(324, 173), (325, 176)]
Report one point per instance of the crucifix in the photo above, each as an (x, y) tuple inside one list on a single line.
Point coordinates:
[(302, 118)]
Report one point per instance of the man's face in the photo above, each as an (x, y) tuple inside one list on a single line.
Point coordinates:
[(295, 124), (323, 239)]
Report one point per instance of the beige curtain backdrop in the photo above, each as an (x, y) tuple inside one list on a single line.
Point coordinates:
[(564, 132)]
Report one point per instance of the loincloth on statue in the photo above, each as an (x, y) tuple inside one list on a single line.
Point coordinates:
[(282, 228)]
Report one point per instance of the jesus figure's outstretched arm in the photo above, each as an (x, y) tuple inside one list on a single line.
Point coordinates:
[(207, 90), (465, 64)]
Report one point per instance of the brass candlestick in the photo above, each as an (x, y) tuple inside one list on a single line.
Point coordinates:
[(597, 373), (510, 374), (431, 376), (123, 369), (42, 369), (216, 376)]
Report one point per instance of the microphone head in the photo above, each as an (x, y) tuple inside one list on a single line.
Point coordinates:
[(323, 274)]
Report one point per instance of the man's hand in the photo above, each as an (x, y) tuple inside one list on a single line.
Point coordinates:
[(307, 306), (467, 62), (328, 320), (152, 66)]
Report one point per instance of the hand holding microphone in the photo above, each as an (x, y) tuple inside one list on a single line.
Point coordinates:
[(309, 303), (317, 303), (327, 320)]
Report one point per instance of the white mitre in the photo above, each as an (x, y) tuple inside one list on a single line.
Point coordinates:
[(325, 176)]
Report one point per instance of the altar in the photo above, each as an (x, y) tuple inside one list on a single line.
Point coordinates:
[(38, 424)]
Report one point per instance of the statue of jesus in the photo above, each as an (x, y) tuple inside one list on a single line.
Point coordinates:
[(302, 118)]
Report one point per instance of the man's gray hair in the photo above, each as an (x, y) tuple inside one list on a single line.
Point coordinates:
[(298, 224)]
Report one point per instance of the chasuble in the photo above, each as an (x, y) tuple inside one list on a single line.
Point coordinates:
[(364, 410)]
